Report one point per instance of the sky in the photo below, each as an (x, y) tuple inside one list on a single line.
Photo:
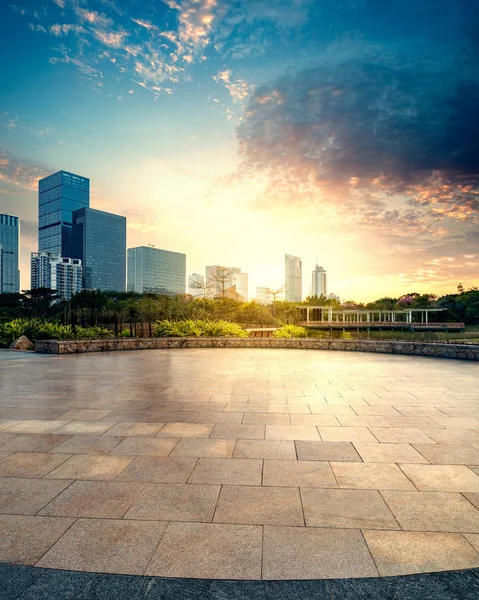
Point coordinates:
[(341, 131)]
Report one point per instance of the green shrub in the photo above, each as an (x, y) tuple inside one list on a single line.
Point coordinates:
[(35, 329), (93, 333), (291, 331), (345, 335), (197, 328), (222, 329)]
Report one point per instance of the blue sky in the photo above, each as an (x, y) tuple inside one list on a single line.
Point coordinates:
[(238, 130)]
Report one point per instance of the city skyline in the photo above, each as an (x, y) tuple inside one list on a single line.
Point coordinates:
[(343, 130)]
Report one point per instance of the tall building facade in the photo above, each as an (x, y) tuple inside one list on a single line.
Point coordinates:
[(193, 290), (240, 281), (156, 271), (263, 295), (293, 278), (235, 285), (55, 272), (99, 241), (9, 253), (319, 282), (59, 196)]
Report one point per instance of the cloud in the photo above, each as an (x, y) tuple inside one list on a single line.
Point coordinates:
[(20, 172)]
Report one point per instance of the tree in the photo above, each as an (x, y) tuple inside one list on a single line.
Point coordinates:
[(255, 314), (460, 288), (41, 303), (204, 285), (148, 310), (222, 279), (274, 294)]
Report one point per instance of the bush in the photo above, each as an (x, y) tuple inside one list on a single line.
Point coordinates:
[(92, 333), (197, 328), (345, 335), (291, 331), (35, 329)]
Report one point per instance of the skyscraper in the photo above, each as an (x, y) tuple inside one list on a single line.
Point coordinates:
[(319, 282), (59, 195), (157, 271), (56, 273), (99, 241), (235, 284), (9, 273), (193, 290), (293, 278)]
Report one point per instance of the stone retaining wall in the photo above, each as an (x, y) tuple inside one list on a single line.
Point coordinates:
[(456, 351)]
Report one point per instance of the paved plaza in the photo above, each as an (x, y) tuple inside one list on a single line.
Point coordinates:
[(239, 464)]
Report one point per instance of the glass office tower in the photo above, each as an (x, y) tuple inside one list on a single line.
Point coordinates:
[(9, 273), (293, 278), (59, 195), (99, 241), (158, 271)]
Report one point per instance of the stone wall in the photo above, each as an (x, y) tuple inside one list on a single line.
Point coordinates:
[(457, 351)]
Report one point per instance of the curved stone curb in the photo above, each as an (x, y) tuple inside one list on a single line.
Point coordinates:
[(455, 351), (33, 583)]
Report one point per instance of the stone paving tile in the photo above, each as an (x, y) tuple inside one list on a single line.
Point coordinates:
[(296, 432), (233, 471), (449, 454), (328, 451), (308, 553), (390, 453), (299, 409), (293, 473), (105, 546), (404, 553), (415, 422), (473, 499), (208, 550), (22, 442), (218, 417), (391, 435), (238, 432), (126, 429), (27, 496), (175, 502), (371, 476), (99, 499), (25, 539), (433, 511), (144, 446), (266, 419), (30, 464), (87, 444), (346, 434), (85, 414), (453, 436), (356, 509), (39, 426), (259, 506), (473, 539), (6, 423), (442, 478), (283, 450), (90, 467), (185, 430), (362, 421), (325, 420), (205, 448), (85, 428), (235, 407), (458, 422), (158, 469), (326, 409)]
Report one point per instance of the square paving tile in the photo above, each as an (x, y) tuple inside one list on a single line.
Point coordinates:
[(346, 434), (355, 509), (90, 467), (85, 428), (205, 448), (22, 442), (308, 553), (404, 552), (146, 446), (158, 469), (233, 471), (391, 435), (25, 539), (265, 449), (209, 550), (28, 496), (133, 428), (328, 451), (105, 546), (186, 430), (288, 473), (259, 506), (433, 511), (390, 453), (447, 454), (100, 499), (296, 432), (442, 478), (87, 444), (175, 502), (367, 476), (38, 426), (238, 432), (30, 464)]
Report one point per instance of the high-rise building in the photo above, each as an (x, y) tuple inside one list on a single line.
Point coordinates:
[(99, 241), (156, 271), (59, 196), (293, 278), (9, 273), (197, 291), (240, 281), (319, 285), (263, 295), (58, 273), (228, 280)]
